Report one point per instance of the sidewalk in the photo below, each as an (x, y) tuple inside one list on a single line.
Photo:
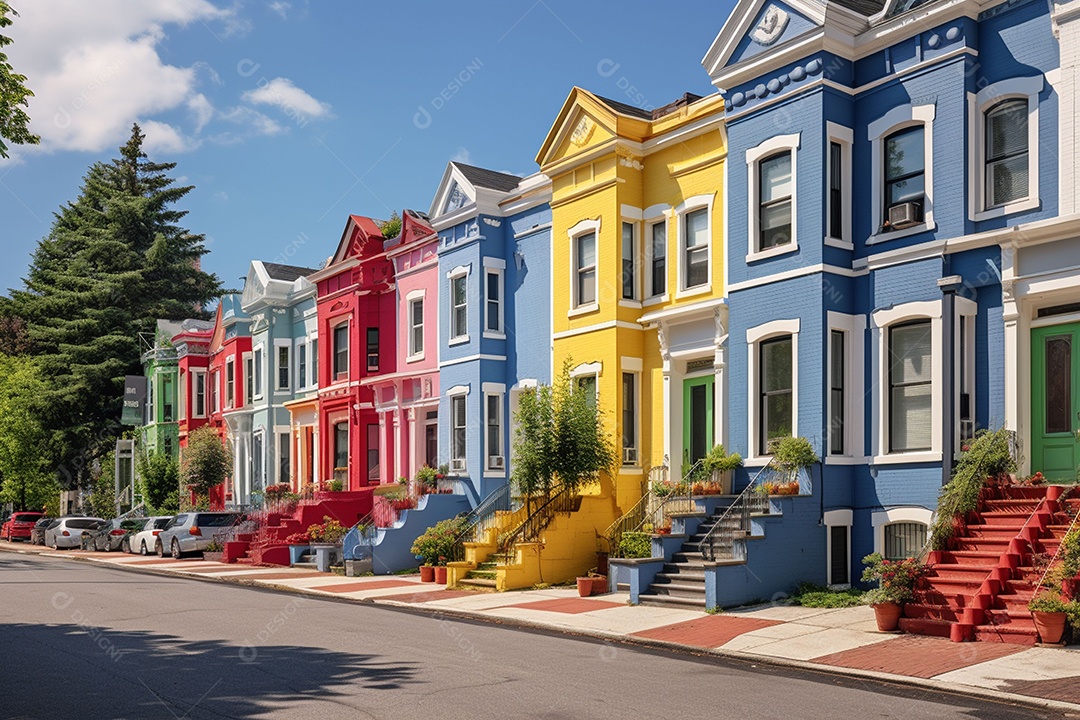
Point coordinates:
[(839, 641)]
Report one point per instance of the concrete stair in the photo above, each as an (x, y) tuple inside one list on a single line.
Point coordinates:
[(681, 583), (484, 575)]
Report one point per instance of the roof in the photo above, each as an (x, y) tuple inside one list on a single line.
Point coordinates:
[(625, 109), (480, 177), (863, 7), (287, 273)]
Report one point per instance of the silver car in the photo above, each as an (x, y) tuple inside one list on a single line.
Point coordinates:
[(66, 532), (194, 531)]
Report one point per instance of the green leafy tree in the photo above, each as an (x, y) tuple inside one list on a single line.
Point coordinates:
[(159, 481), (115, 260), (26, 481), (14, 122), (103, 497), (391, 228), (205, 462), (560, 438)]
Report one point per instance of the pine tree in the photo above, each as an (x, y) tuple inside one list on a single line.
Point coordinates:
[(115, 260)]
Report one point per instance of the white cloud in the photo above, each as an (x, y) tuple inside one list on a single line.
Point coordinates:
[(164, 138), (462, 156), (281, 8), (201, 109), (293, 101), (252, 122)]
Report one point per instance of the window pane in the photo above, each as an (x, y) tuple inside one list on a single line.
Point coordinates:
[(907, 190), (1007, 129), (837, 400), (628, 280), (836, 208), (373, 452), (777, 417), (586, 287), (910, 353), (910, 418), (341, 445), (1059, 415), (904, 540), (494, 321), (586, 269), (494, 436), (586, 247), (775, 178), (459, 290), (1007, 180), (904, 153), (341, 349), (659, 258), (697, 228), (775, 225), (629, 423), (697, 267), (458, 415), (776, 364)]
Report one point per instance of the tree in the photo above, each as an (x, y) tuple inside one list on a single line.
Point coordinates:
[(115, 260), (26, 481), (205, 462), (159, 480), (560, 438), (14, 122), (103, 496)]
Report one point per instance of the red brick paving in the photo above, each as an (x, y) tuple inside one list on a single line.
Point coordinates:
[(919, 656), (572, 606), (370, 585), (1066, 689), (706, 632), (428, 595), (240, 574)]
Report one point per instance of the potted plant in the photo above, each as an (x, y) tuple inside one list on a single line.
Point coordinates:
[(790, 455), (328, 532), (427, 480), (1070, 564), (434, 546), (896, 585), (719, 465), (335, 486), (214, 551), (1049, 612)]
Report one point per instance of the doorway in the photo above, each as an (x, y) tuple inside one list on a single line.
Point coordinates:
[(1055, 400), (697, 419)]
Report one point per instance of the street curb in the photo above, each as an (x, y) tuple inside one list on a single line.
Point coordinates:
[(970, 691)]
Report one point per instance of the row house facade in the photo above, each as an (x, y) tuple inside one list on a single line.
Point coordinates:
[(227, 388)]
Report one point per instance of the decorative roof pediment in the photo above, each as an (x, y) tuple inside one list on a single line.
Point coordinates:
[(755, 26), (464, 185), (361, 236), (585, 122)]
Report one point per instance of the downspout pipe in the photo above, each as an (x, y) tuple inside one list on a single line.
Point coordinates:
[(949, 285)]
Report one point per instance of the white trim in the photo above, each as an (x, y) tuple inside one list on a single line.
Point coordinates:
[(691, 204), (899, 118), (470, 358), (754, 337), (630, 364), (773, 146), (630, 212), (839, 517), (493, 388), (416, 296), (586, 369), (455, 272), (452, 277), (978, 104), (854, 329), (583, 227), (259, 391), (845, 137), (532, 230), (772, 328), (891, 516), (457, 390), (499, 271), (594, 328), (797, 272)]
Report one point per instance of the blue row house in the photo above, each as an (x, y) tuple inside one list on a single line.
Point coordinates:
[(280, 368), (494, 315), (902, 259)]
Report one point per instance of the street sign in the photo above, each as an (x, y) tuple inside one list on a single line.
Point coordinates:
[(134, 400)]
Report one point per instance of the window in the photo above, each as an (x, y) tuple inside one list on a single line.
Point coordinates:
[(215, 401), (258, 373), (373, 349), (839, 562), (1007, 152), (696, 226), (658, 259), (904, 540), (774, 198), (910, 375), (837, 401), (283, 367), (458, 431), (459, 311), (416, 327), (256, 461), (494, 432), (249, 389), (341, 351), (585, 270), (431, 438), (629, 419), (284, 458), (313, 354), (230, 382), (341, 445), (493, 322), (966, 355), (198, 405), (587, 384), (167, 398), (836, 191), (905, 169), (776, 390), (373, 452), (301, 365), (629, 264)]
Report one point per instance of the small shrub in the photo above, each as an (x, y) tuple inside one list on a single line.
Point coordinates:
[(635, 545), (896, 578), (988, 456), (1048, 601), (789, 454), (816, 596), (329, 531)]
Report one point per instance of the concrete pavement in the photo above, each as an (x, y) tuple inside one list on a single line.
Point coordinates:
[(843, 641)]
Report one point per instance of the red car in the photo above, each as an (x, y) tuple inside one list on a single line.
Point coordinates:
[(19, 525)]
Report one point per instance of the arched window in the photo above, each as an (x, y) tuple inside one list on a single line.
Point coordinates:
[(1007, 152), (904, 540), (905, 169)]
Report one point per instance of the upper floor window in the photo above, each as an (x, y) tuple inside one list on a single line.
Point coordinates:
[(910, 383), (459, 310), (230, 383), (696, 225), (774, 224), (341, 351), (776, 391), (458, 431), (416, 327), (585, 270), (283, 367), (629, 262), (198, 405), (301, 365), (257, 373), (836, 190), (905, 175), (493, 322), (215, 398), (902, 172), (372, 349), (658, 259), (1007, 152), (249, 380)]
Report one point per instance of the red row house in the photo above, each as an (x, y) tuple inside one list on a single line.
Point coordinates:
[(356, 315), (230, 373)]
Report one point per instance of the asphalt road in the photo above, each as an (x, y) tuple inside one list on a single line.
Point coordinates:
[(84, 642)]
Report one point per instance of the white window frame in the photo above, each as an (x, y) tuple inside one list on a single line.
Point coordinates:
[(336, 376), (900, 118), (845, 138), (258, 353), (247, 362), (313, 359), (837, 518), (278, 345), (978, 104), (230, 382), (215, 391), (495, 390), (495, 266), (655, 215), (754, 337), (459, 273), (459, 393), (892, 516), (854, 329), (582, 228), (284, 450), (697, 202), (631, 216), (773, 146), (181, 397), (416, 296), (631, 366), (196, 375), (300, 353)]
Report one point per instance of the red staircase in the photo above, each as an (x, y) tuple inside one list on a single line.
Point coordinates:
[(979, 588)]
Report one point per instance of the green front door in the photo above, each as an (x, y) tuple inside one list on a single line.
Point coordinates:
[(1055, 400), (697, 418)]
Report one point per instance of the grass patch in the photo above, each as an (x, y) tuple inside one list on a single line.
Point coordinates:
[(815, 596)]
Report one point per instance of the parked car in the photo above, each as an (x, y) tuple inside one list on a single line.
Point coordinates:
[(142, 541), (37, 535), (110, 534), (19, 525), (194, 531), (65, 532)]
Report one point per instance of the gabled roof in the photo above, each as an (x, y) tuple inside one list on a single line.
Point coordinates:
[(481, 177), (623, 108), (288, 273), (868, 8)]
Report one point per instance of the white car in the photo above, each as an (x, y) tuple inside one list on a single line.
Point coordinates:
[(141, 542), (67, 531)]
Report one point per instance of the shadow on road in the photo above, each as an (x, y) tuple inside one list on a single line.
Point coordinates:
[(77, 670)]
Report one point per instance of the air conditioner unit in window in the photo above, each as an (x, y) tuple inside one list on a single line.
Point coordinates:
[(495, 462), (457, 465), (629, 456), (905, 215), (373, 361)]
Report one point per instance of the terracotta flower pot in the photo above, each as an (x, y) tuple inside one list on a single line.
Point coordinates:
[(1050, 625), (599, 585), (440, 574), (427, 573), (887, 616), (584, 586)]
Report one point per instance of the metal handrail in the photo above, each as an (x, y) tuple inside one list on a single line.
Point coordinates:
[(745, 504), (359, 541), (480, 519), (1072, 526), (565, 500), (652, 508)]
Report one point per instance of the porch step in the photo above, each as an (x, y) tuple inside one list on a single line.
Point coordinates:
[(681, 575), (1009, 518), (974, 557), (1006, 634), (672, 601), (926, 626), (691, 590), (477, 582)]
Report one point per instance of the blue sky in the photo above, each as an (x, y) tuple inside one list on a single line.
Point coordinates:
[(288, 116)]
